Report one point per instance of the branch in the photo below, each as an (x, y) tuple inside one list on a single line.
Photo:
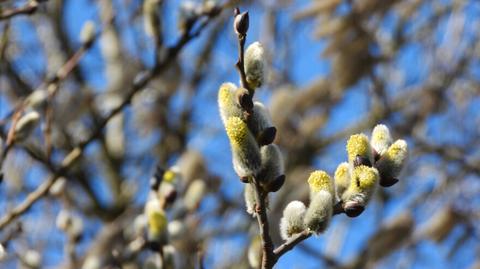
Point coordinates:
[(138, 85), (268, 257), (27, 9), (291, 243)]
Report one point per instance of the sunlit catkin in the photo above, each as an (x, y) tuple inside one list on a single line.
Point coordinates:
[(322, 197), (342, 178), (292, 220), (260, 124), (319, 212), (359, 151), (26, 125), (271, 175), (156, 222), (381, 139), (245, 152), (363, 183), (255, 65), (229, 97), (391, 163)]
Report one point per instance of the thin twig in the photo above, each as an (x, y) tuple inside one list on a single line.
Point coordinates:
[(268, 258), (27, 9)]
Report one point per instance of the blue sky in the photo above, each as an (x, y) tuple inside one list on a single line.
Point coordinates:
[(307, 66)]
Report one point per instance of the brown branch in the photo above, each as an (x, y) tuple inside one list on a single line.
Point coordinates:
[(268, 257), (291, 243), (27, 9)]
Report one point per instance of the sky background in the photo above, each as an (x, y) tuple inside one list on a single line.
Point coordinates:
[(412, 64)]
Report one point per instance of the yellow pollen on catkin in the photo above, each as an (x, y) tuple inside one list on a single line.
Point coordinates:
[(169, 176), (364, 177), (397, 150), (320, 180), (237, 131), (225, 94), (358, 144)]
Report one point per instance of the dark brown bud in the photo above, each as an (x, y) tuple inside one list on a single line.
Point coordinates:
[(171, 196), (267, 136), (376, 156), (388, 182), (276, 184), (157, 178), (361, 160), (240, 22), (244, 99), (353, 209)]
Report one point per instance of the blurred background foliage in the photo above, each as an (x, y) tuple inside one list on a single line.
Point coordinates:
[(335, 67)]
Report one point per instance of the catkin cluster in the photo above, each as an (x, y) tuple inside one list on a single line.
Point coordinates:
[(371, 162), (250, 130)]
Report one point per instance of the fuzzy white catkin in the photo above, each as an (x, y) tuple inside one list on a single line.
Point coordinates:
[(227, 104), (342, 178), (58, 187), (36, 100), (176, 230), (139, 224), (381, 139), (194, 194), (391, 163), (249, 195), (272, 163), (64, 220), (255, 64), (255, 252), (3, 253), (260, 119), (150, 19), (26, 125), (88, 32), (92, 262), (319, 212), (292, 220), (169, 253), (32, 258)]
